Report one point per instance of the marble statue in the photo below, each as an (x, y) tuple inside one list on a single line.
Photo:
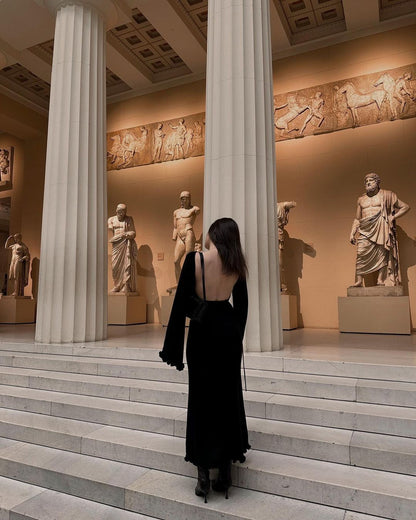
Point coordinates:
[(283, 209), (20, 263), (374, 232), (124, 252), (183, 231)]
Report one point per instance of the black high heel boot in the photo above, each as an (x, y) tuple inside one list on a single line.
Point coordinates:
[(202, 486), (223, 482)]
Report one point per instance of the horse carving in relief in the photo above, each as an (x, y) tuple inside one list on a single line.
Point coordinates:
[(356, 100), (395, 90), (294, 110)]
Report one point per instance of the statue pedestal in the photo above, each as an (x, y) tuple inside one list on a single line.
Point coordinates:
[(374, 310), (17, 309), (126, 309), (167, 302), (289, 311)]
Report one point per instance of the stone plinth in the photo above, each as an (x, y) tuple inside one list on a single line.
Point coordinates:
[(17, 309), (289, 310), (374, 314), (377, 290), (126, 309)]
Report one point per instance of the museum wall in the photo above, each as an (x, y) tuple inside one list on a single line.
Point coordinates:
[(322, 173)]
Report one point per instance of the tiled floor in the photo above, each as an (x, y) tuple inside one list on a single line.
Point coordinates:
[(325, 344)]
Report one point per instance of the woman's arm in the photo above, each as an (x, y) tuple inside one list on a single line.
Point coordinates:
[(173, 347), (240, 303)]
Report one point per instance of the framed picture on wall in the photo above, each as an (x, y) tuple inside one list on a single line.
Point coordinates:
[(6, 167)]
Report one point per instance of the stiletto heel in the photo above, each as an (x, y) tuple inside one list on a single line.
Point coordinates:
[(203, 484), (223, 482)]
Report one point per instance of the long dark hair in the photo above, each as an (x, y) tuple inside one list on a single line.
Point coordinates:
[(225, 236)]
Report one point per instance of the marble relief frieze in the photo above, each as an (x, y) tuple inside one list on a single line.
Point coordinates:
[(156, 142), (347, 103), (6, 167)]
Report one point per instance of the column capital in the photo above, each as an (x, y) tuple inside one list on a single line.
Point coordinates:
[(107, 8)]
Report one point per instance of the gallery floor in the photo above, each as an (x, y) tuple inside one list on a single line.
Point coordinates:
[(96, 431), (324, 344)]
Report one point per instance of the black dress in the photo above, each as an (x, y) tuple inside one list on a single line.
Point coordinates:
[(216, 429)]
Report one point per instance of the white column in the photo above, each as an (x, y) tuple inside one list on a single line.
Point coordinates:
[(240, 179), (72, 298)]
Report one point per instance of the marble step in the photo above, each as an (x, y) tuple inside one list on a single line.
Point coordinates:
[(274, 361), (53, 368), (21, 501), (175, 394), (169, 496), (382, 452), (372, 418), (334, 485)]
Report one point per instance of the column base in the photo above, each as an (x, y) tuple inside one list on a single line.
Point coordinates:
[(289, 311), (17, 309), (374, 314), (126, 309)]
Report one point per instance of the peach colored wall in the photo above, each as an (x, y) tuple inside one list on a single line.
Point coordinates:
[(324, 174)]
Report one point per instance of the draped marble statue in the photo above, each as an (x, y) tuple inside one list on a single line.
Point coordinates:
[(283, 209), (183, 231), (19, 265), (124, 251), (374, 233)]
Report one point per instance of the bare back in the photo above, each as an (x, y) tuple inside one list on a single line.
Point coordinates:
[(218, 286)]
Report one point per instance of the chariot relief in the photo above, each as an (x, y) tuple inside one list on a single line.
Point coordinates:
[(351, 102)]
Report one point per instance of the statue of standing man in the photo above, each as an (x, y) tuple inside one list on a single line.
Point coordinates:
[(283, 209), (183, 231), (374, 232), (19, 265), (124, 253)]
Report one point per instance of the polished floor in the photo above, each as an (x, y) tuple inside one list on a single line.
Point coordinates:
[(326, 344)]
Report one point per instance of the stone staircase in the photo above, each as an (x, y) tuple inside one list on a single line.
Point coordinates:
[(97, 433)]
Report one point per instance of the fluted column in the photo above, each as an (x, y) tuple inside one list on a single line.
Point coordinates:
[(240, 176), (72, 297)]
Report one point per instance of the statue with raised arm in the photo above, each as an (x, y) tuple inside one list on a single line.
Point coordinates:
[(374, 232), (124, 253), (19, 265), (183, 231), (283, 209)]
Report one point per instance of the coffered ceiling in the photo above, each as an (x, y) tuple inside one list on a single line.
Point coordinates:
[(156, 44)]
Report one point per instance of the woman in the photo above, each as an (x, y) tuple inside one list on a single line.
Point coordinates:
[(216, 432)]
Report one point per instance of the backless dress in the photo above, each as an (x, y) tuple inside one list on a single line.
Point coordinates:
[(216, 430)]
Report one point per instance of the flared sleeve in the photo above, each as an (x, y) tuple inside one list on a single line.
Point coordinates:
[(173, 346), (240, 303)]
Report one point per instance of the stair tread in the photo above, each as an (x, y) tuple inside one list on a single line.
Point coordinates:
[(36, 503), (155, 483)]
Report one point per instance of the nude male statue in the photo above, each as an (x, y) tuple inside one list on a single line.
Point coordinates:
[(283, 209), (124, 252), (183, 231), (19, 265), (375, 224)]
